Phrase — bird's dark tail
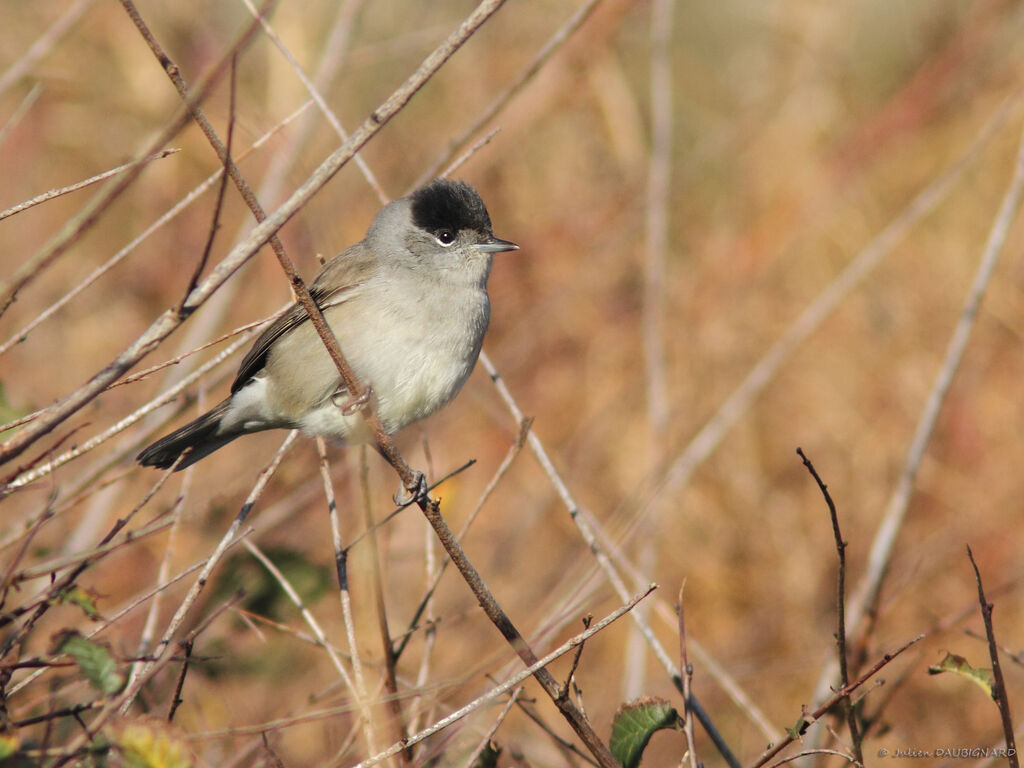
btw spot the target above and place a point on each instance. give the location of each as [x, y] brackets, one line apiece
[195, 440]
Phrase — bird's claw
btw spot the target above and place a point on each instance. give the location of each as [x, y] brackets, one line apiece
[406, 495]
[351, 405]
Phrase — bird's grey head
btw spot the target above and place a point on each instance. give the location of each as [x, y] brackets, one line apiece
[444, 225]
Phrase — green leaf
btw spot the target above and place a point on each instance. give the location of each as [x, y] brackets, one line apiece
[95, 661]
[958, 665]
[488, 757]
[634, 724]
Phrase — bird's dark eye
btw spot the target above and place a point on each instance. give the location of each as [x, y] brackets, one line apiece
[445, 237]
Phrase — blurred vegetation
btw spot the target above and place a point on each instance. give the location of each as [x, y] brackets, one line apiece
[800, 130]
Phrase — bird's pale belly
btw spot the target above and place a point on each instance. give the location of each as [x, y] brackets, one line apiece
[428, 377]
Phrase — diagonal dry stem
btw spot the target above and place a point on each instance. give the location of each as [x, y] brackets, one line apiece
[341, 567]
[58, 192]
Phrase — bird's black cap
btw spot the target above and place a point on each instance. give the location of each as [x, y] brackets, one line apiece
[446, 204]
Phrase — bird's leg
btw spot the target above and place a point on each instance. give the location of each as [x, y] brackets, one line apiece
[350, 405]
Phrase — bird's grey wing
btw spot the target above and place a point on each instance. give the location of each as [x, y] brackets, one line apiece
[338, 281]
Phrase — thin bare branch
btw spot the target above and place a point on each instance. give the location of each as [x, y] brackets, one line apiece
[387, 647]
[464, 157]
[132, 418]
[130, 248]
[435, 576]
[311, 622]
[58, 192]
[844, 674]
[244, 250]
[586, 529]
[998, 683]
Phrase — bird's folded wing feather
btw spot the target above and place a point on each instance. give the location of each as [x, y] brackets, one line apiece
[336, 283]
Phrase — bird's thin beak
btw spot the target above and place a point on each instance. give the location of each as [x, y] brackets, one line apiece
[496, 245]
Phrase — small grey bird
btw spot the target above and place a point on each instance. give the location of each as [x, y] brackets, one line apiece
[409, 308]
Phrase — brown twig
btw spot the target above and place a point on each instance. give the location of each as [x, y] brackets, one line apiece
[588, 532]
[245, 249]
[218, 205]
[77, 564]
[569, 681]
[562, 744]
[346, 13]
[293, 595]
[812, 753]
[401, 508]
[229, 537]
[255, 325]
[998, 684]
[844, 673]
[93, 442]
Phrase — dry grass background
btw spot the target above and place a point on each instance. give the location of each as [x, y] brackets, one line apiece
[799, 132]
